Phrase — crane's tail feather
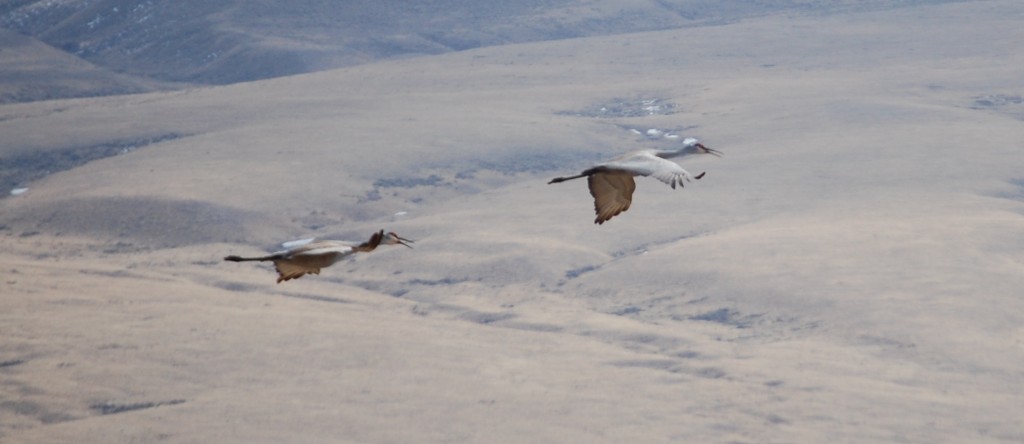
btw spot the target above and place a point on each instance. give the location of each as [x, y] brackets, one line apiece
[234, 258]
[563, 179]
[586, 173]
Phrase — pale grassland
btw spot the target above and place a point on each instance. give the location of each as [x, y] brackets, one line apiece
[850, 271]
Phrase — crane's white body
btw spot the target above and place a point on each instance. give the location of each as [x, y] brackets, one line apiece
[611, 183]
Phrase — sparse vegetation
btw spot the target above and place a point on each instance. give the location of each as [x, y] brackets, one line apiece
[112, 408]
[11, 362]
[149, 222]
[1011, 104]
[409, 182]
[997, 100]
[727, 316]
[576, 272]
[20, 169]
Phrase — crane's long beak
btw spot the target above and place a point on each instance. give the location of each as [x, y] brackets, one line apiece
[403, 241]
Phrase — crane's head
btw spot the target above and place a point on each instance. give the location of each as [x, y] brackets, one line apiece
[393, 238]
[693, 146]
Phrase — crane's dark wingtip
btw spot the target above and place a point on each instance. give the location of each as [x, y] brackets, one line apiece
[702, 173]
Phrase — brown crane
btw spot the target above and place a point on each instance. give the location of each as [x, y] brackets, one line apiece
[309, 258]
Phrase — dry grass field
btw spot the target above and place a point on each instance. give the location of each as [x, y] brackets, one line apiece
[850, 271]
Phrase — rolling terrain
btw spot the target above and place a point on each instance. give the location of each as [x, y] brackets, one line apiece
[176, 44]
[31, 70]
[849, 271]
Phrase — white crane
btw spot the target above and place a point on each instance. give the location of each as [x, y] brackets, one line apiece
[297, 261]
[611, 183]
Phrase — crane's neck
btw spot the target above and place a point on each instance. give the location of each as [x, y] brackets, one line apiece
[684, 151]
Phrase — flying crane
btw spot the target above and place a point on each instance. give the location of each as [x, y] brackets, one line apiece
[309, 258]
[611, 183]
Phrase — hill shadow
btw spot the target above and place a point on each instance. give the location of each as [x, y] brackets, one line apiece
[157, 222]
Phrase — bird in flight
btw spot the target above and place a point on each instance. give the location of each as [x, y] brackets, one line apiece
[309, 258]
[611, 183]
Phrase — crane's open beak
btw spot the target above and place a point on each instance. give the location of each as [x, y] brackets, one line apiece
[403, 241]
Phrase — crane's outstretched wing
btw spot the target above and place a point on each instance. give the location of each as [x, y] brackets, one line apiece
[287, 270]
[646, 163]
[310, 258]
[612, 191]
